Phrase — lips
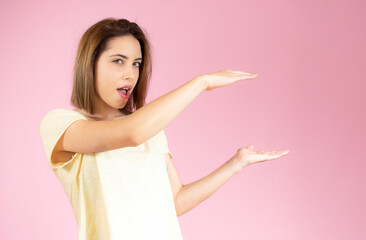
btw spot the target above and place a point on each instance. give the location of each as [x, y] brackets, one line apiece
[126, 96]
[126, 89]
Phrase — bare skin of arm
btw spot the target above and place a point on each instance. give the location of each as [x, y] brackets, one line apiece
[186, 197]
[97, 136]
[85, 136]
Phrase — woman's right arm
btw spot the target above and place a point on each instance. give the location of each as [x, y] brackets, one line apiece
[157, 114]
[97, 136]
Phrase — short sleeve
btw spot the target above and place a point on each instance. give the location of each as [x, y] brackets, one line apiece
[164, 143]
[53, 126]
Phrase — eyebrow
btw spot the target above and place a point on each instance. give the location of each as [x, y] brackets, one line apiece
[123, 56]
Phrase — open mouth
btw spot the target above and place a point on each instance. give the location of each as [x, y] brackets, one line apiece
[123, 90]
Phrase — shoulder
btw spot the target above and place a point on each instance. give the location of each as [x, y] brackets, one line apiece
[56, 121]
[64, 112]
[60, 115]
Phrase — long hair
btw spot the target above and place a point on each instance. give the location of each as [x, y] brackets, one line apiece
[92, 44]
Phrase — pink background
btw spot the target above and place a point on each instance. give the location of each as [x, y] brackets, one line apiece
[310, 56]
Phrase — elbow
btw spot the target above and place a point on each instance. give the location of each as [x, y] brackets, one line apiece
[134, 142]
[177, 212]
[139, 135]
[178, 203]
[135, 138]
[177, 209]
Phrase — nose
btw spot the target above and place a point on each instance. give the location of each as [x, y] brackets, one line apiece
[129, 74]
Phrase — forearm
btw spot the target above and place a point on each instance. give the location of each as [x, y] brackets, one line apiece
[156, 115]
[192, 194]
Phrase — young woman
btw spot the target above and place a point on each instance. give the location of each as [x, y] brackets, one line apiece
[110, 152]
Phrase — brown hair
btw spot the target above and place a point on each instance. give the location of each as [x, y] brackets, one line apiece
[92, 44]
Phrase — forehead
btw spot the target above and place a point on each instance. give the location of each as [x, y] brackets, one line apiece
[127, 45]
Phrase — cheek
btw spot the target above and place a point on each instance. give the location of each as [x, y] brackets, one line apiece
[103, 82]
[137, 75]
[103, 88]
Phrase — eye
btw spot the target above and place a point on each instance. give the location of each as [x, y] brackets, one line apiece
[116, 61]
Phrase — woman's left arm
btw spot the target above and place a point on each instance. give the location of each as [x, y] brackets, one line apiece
[188, 196]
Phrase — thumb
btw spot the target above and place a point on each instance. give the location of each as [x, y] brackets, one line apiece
[250, 147]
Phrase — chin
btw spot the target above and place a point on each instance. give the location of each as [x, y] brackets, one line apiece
[122, 106]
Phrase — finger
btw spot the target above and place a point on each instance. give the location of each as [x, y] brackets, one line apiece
[272, 157]
[250, 76]
[244, 73]
[243, 76]
[264, 156]
[278, 152]
[267, 158]
[268, 155]
[275, 153]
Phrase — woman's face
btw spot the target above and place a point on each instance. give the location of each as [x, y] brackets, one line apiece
[116, 67]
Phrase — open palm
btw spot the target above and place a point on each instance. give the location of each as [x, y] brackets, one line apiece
[247, 155]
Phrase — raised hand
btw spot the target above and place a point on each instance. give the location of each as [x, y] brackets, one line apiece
[224, 78]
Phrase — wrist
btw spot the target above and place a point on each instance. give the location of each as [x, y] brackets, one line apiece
[235, 164]
[201, 81]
